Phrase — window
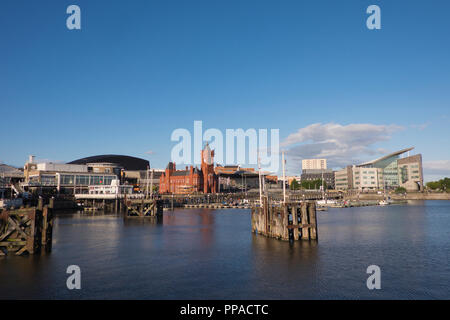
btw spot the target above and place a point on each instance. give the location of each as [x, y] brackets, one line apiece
[108, 180]
[96, 180]
[67, 179]
[48, 180]
[82, 180]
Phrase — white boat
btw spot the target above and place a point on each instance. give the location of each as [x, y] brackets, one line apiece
[326, 202]
[383, 203]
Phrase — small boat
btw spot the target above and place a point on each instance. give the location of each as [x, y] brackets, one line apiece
[326, 203]
[383, 203]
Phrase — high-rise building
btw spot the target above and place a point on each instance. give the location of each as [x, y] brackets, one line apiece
[314, 164]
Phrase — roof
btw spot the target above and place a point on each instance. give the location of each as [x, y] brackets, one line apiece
[9, 171]
[127, 162]
[397, 153]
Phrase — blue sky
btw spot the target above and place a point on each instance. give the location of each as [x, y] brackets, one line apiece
[137, 70]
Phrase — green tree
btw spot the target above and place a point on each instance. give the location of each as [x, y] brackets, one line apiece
[400, 190]
[443, 185]
[313, 184]
[294, 185]
[433, 185]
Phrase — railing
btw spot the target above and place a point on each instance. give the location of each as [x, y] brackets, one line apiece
[109, 196]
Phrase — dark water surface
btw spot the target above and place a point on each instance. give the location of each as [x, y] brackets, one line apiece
[211, 254]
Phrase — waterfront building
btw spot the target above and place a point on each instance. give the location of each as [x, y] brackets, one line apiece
[314, 164]
[143, 179]
[79, 174]
[9, 174]
[131, 170]
[410, 172]
[318, 174]
[10, 178]
[341, 179]
[367, 178]
[236, 178]
[191, 180]
[125, 162]
[388, 172]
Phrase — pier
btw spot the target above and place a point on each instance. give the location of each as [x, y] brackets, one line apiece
[288, 221]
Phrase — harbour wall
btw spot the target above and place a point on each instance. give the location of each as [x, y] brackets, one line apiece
[408, 196]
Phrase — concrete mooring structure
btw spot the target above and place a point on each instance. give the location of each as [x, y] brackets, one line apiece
[288, 221]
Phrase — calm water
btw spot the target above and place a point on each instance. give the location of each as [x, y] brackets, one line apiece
[211, 254]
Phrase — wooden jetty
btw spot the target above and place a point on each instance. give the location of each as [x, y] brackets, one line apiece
[26, 230]
[288, 221]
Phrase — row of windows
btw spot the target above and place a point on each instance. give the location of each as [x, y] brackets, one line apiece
[86, 180]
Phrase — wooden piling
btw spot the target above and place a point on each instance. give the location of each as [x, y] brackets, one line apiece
[294, 221]
[305, 222]
[287, 221]
[26, 230]
[143, 208]
[312, 215]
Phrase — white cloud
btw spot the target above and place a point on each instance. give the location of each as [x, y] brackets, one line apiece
[340, 144]
[437, 167]
[150, 152]
[436, 170]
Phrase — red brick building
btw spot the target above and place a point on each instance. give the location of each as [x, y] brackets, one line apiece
[192, 179]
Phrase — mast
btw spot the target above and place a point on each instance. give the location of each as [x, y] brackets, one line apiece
[151, 184]
[323, 189]
[146, 191]
[259, 176]
[284, 177]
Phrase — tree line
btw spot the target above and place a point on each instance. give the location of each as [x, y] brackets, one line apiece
[442, 185]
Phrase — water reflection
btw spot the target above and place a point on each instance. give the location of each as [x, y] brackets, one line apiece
[138, 221]
[211, 254]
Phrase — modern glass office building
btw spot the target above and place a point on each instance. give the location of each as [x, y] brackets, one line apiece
[390, 171]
